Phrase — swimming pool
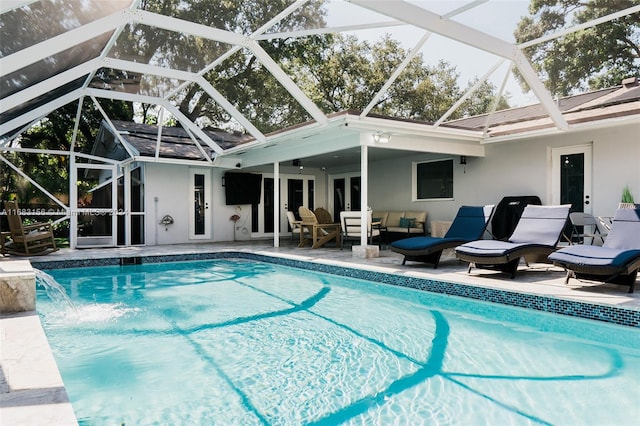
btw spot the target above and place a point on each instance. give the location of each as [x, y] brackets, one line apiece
[235, 341]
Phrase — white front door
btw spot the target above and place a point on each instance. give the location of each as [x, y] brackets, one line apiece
[199, 211]
[571, 177]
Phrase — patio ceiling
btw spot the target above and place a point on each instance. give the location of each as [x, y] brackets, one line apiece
[54, 51]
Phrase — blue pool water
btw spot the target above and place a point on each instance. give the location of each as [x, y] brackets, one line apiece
[238, 342]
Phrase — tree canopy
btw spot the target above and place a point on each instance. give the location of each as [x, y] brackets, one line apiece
[584, 60]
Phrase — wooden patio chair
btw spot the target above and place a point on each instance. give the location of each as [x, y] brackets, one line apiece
[320, 233]
[27, 240]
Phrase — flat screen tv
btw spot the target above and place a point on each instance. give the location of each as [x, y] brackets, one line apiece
[242, 188]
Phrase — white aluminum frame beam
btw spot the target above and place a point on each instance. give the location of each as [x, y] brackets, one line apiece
[228, 106]
[9, 5]
[130, 151]
[33, 182]
[289, 85]
[396, 73]
[422, 18]
[69, 39]
[582, 26]
[109, 94]
[45, 86]
[40, 112]
[468, 94]
[330, 30]
[64, 41]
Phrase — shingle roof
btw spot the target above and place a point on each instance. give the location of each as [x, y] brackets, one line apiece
[600, 104]
[175, 142]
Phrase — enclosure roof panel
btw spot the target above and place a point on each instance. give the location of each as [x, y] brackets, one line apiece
[53, 52]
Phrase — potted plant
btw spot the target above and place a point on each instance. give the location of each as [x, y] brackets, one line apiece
[626, 202]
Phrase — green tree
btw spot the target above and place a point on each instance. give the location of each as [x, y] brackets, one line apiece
[351, 72]
[592, 58]
[55, 133]
[241, 78]
[336, 72]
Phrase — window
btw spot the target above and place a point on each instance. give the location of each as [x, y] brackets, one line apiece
[433, 180]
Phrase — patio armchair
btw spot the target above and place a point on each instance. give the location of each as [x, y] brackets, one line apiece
[323, 215]
[617, 261]
[294, 224]
[468, 225]
[27, 240]
[535, 236]
[350, 227]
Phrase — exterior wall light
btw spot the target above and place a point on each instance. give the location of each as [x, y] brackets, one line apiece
[381, 137]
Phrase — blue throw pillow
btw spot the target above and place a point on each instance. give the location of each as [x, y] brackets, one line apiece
[407, 222]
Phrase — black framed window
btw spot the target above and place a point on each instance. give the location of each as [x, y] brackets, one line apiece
[433, 180]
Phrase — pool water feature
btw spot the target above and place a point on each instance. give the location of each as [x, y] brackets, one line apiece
[243, 342]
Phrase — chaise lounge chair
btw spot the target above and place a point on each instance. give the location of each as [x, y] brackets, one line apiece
[535, 237]
[27, 240]
[468, 225]
[616, 261]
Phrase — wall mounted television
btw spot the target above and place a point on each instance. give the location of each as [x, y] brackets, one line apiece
[242, 188]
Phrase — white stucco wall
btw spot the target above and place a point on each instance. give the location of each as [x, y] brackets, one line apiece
[510, 168]
[168, 192]
[517, 168]
[166, 189]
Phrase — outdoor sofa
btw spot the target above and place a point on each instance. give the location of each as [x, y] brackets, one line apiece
[400, 224]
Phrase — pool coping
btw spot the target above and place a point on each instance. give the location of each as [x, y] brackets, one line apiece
[31, 385]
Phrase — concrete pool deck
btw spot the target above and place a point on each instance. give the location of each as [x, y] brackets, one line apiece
[31, 388]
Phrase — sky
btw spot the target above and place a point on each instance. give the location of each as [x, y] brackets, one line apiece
[496, 17]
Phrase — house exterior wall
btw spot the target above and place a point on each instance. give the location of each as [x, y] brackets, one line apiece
[168, 192]
[516, 168]
[511, 168]
[166, 188]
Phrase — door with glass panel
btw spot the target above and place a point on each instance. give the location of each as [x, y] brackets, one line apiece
[571, 178]
[346, 193]
[199, 211]
[295, 191]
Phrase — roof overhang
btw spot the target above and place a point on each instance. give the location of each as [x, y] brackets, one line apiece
[350, 130]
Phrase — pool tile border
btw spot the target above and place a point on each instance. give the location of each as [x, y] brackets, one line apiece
[572, 308]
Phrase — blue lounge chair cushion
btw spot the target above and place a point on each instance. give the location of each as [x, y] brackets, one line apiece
[470, 222]
[594, 256]
[468, 225]
[422, 243]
